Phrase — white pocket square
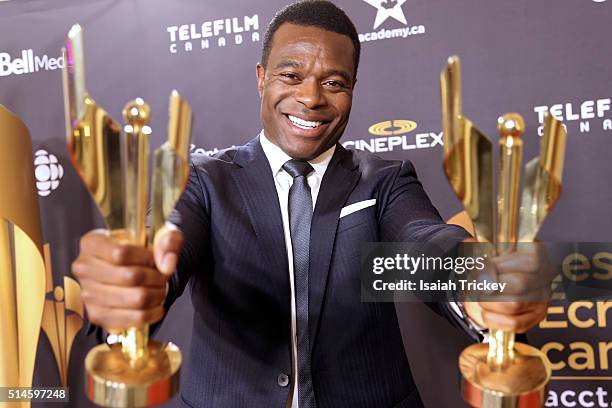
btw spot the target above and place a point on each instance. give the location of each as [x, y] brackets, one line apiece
[349, 209]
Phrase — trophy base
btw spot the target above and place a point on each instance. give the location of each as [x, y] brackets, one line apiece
[113, 382]
[521, 384]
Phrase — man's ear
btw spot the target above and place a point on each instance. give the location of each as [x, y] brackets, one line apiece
[261, 75]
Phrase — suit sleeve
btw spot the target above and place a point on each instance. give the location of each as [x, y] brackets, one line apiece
[192, 216]
[409, 216]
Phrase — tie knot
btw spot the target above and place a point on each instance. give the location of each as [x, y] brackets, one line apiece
[297, 168]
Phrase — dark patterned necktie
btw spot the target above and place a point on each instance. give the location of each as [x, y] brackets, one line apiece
[300, 218]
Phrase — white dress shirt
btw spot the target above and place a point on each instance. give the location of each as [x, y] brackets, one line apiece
[283, 181]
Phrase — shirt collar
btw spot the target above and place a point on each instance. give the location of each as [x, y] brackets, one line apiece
[277, 157]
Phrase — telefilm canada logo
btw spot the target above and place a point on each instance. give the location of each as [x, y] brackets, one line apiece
[395, 134]
[579, 116]
[27, 62]
[219, 33]
[390, 9]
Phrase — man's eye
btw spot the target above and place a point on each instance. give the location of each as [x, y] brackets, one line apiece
[333, 84]
[289, 76]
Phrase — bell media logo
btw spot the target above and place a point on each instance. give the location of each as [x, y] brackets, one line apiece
[386, 9]
[231, 31]
[395, 134]
[48, 172]
[28, 63]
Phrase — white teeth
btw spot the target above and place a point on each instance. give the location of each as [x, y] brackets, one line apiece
[303, 124]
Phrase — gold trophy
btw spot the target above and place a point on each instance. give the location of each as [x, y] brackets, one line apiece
[22, 266]
[502, 374]
[113, 164]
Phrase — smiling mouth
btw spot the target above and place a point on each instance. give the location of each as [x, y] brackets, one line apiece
[304, 124]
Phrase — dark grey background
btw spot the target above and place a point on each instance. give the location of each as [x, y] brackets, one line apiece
[516, 55]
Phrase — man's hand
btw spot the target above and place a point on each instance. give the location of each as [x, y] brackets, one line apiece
[125, 285]
[524, 302]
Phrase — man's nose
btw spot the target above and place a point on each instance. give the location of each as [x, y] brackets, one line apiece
[310, 94]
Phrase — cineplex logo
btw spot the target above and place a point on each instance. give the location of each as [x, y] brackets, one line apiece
[386, 9]
[394, 135]
[214, 33]
[28, 63]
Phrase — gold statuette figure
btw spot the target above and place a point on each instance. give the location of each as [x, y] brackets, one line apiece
[22, 267]
[502, 374]
[113, 163]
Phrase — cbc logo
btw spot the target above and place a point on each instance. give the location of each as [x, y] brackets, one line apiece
[48, 172]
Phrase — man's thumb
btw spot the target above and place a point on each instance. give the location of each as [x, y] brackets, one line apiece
[167, 246]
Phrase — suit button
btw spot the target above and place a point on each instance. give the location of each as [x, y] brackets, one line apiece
[283, 380]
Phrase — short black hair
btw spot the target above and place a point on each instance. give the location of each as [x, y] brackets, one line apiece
[313, 13]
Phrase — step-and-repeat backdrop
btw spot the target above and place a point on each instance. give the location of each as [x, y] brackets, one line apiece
[524, 56]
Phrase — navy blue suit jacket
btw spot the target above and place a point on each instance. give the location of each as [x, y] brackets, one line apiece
[235, 262]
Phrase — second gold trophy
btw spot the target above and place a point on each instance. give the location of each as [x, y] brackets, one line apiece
[504, 373]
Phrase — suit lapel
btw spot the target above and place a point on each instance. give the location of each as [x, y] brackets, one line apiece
[255, 182]
[339, 180]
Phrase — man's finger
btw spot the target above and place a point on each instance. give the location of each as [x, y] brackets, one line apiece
[114, 319]
[529, 258]
[521, 284]
[518, 324]
[128, 276]
[531, 297]
[518, 262]
[138, 298]
[100, 245]
[509, 308]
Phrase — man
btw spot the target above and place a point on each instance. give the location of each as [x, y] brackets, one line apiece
[268, 238]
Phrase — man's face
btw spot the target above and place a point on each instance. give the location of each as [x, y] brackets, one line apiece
[306, 90]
